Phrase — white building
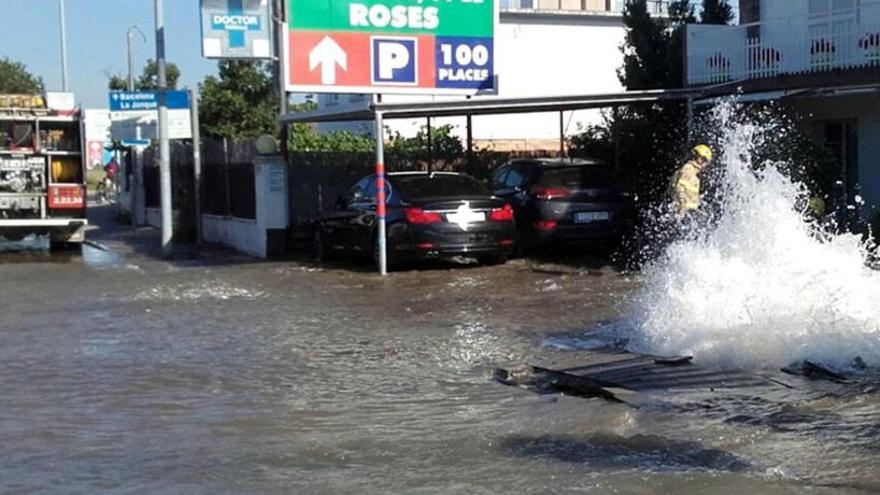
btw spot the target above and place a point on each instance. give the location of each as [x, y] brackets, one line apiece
[821, 58]
[542, 48]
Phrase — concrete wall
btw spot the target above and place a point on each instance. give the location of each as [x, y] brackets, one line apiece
[153, 217]
[239, 234]
[260, 237]
[535, 55]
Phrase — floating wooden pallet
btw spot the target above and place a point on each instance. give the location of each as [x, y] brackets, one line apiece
[626, 377]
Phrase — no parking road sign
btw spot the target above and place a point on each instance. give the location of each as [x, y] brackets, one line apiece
[391, 46]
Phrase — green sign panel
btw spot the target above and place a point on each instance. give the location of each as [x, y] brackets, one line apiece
[391, 46]
[440, 18]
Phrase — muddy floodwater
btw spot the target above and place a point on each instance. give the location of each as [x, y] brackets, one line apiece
[120, 373]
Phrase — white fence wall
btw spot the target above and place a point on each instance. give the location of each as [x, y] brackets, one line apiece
[787, 45]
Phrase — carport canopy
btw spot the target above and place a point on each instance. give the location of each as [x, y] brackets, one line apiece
[378, 111]
[492, 106]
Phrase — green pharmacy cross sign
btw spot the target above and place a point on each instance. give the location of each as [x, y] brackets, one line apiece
[391, 46]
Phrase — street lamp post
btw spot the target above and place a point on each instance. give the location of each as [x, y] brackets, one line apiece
[131, 30]
[63, 46]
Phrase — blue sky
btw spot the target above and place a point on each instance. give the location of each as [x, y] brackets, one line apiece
[96, 41]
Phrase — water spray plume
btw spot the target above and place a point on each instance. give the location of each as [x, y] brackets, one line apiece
[761, 287]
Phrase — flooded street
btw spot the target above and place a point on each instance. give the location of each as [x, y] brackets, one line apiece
[124, 374]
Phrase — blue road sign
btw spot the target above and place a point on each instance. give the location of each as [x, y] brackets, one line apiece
[141, 101]
[394, 60]
[133, 143]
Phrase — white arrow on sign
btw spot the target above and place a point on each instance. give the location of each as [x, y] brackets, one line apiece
[328, 54]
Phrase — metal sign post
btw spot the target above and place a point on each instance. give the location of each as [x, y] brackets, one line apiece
[197, 162]
[164, 148]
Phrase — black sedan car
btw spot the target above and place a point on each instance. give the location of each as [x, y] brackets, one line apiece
[429, 215]
[564, 202]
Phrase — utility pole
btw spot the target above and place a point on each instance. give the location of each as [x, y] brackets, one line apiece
[63, 46]
[197, 161]
[280, 12]
[131, 30]
[164, 148]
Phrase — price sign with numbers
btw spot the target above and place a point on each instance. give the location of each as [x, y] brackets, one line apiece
[391, 46]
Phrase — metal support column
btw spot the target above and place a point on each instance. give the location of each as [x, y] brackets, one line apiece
[164, 147]
[615, 137]
[690, 122]
[430, 147]
[561, 134]
[380, 196]
[470, 141]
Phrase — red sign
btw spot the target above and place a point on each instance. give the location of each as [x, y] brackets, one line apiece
[319, 60]
[67, 197]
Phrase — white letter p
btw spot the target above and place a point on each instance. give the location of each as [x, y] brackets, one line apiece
[392, 56]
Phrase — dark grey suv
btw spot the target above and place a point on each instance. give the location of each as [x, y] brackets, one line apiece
[564, 202]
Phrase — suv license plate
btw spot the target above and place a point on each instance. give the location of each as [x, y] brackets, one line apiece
[591, 216]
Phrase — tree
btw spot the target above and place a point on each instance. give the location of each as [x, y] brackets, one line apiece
[444, 145]
[716, 12]
[117, 83]
[644, 49]
[148, 80]
[651, 137]
[240, 102]
[15, 78]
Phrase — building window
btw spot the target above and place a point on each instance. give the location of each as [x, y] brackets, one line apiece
[517, 4]
[827, 7]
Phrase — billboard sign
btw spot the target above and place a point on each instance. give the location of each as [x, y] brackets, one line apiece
[135, 115]
[391, 46]
[236, 29]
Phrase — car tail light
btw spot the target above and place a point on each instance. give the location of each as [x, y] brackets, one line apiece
[425, 245]
[507, 242]
[67, 197]
[419, 216]
[504, 214]
[551, 192]
[545, 225]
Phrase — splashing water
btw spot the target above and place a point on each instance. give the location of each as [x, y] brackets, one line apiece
[760, 289]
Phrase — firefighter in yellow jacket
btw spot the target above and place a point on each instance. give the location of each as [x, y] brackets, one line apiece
[685, 184]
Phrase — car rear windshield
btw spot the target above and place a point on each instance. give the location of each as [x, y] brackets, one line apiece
[579, 177]
[435, 186]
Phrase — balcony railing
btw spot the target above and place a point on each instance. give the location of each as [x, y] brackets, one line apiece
[796, 45]
[658, 7]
